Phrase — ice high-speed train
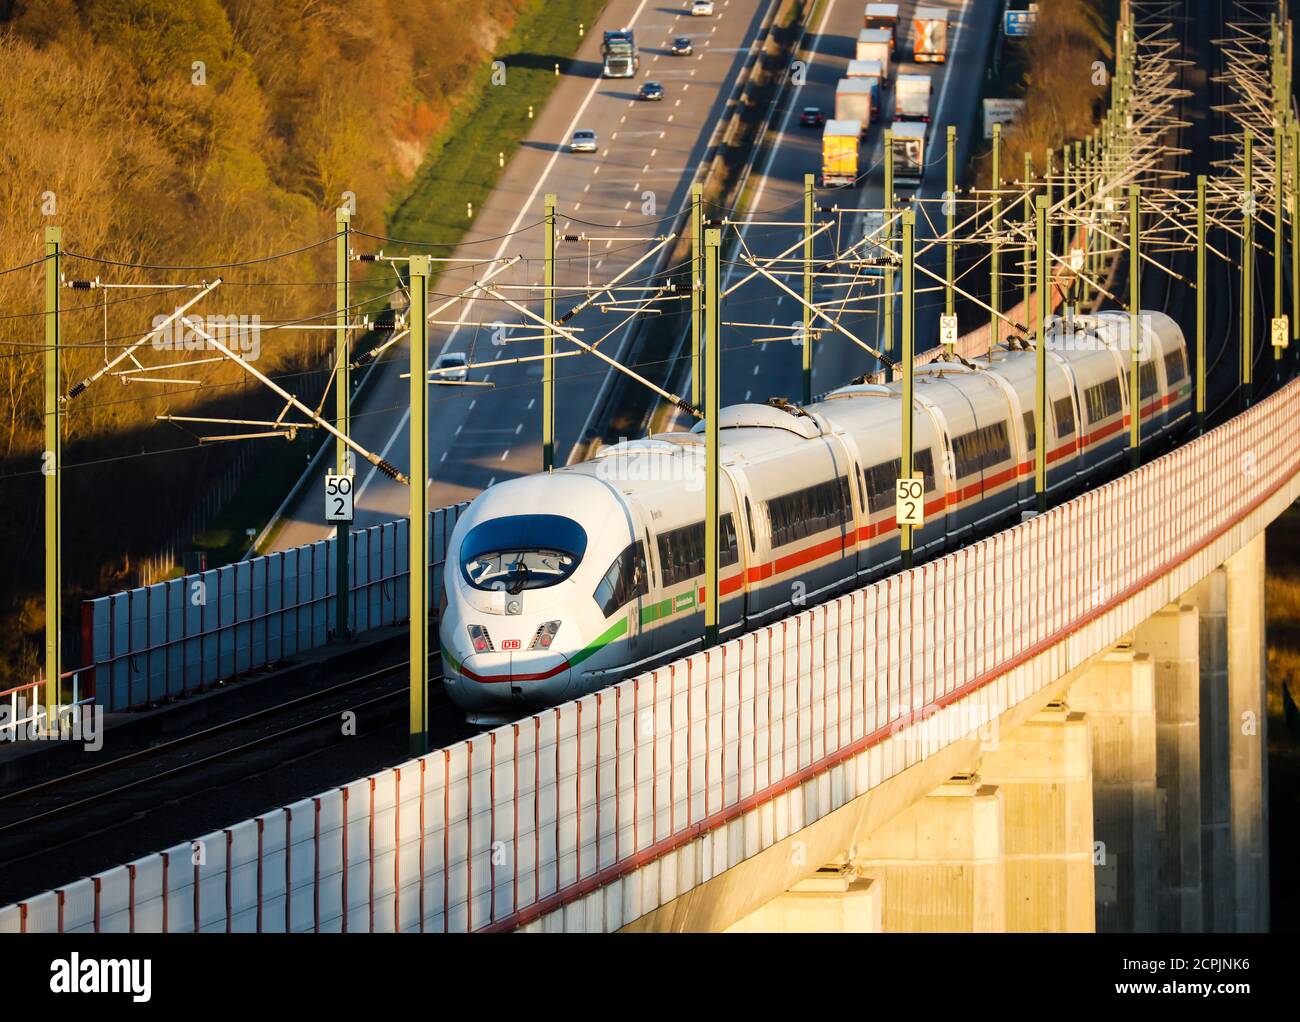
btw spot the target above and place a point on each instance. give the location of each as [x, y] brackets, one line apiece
[561, 584]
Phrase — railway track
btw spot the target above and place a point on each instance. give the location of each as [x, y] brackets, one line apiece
[97, 816]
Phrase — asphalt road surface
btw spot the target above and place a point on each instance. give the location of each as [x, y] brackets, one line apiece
[481, 435]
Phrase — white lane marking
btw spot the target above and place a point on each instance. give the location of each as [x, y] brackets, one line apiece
[947, 75]
[756, 370]
[490, 482]
[443, 458]
[472, 404]
[505, 454]
[519, 429]
[747, 393]
[531, 401]
[577, 206]
[586, 188]
[458, 429]
[525, 209]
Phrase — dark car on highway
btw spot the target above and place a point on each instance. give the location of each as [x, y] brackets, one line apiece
[812, 117]
[682, 47]
[651, 90]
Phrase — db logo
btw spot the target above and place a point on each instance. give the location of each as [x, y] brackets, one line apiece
[510, 644]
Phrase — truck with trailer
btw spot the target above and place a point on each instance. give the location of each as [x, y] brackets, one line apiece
[871, 71]
[882, 16]
[840, 141]
[853, 101]
[912, 98]
[908, 152]
[873, 44]
[930, 35]
[618, 51]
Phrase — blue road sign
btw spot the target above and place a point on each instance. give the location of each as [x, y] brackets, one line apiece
[1019, 23]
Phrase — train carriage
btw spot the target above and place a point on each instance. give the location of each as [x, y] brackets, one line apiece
[560, 584]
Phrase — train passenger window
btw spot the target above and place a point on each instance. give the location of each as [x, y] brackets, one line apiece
[681, 551]
[625, 580]
[881, 479]
[806, 512]
[1103, 400]
[1147, 385]
[749, 520]
[981, 448]
[1175, 366]
[1064, 417]
[968, 453]
[997, 444]
[1029, 431]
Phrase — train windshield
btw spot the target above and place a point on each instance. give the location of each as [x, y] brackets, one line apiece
[522, 552]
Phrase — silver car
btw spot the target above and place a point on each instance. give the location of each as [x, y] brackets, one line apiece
[583, 141]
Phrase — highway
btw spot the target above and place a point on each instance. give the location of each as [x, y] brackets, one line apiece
[480, 435]
[756, 371]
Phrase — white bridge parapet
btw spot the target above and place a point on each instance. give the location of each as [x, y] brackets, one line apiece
[593, 814]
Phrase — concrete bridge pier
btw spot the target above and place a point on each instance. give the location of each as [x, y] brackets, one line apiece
[1171, 639]
[1044, 771]
[1117, 693]
[941, 861]
[835, 899]
[1247, 735]
[1210, 597]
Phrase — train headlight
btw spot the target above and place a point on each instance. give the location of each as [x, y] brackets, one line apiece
[545, 635]
[479, 639]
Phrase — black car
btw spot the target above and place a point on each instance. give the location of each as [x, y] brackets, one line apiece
[812, 117]
[682, 47]
[651, 90]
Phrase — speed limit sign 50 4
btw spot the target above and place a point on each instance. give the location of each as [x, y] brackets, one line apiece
[909, 502]
[338, 498]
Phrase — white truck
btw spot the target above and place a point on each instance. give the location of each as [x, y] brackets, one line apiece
[853, 101]
[872, 72]
[882, 16]
[909, 152]
[873, 44]
[930, 35]
[912, 98]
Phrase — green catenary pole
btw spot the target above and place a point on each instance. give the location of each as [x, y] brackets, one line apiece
[1201, 285]
[712, 448]
[52, 467]
[417, 534]
[888, 311]
[1027, 253]
[548, 340]
[806, 340]
[950, 209]
[1040, 360]
[1134, 327]
[995, 249]
[1246, 369]
[1293, 193]
[1279, 165]
[908, 368]
[342, 418]
[697, 290]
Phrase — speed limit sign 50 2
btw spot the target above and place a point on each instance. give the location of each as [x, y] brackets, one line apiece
[338, 498]
[909, 502]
